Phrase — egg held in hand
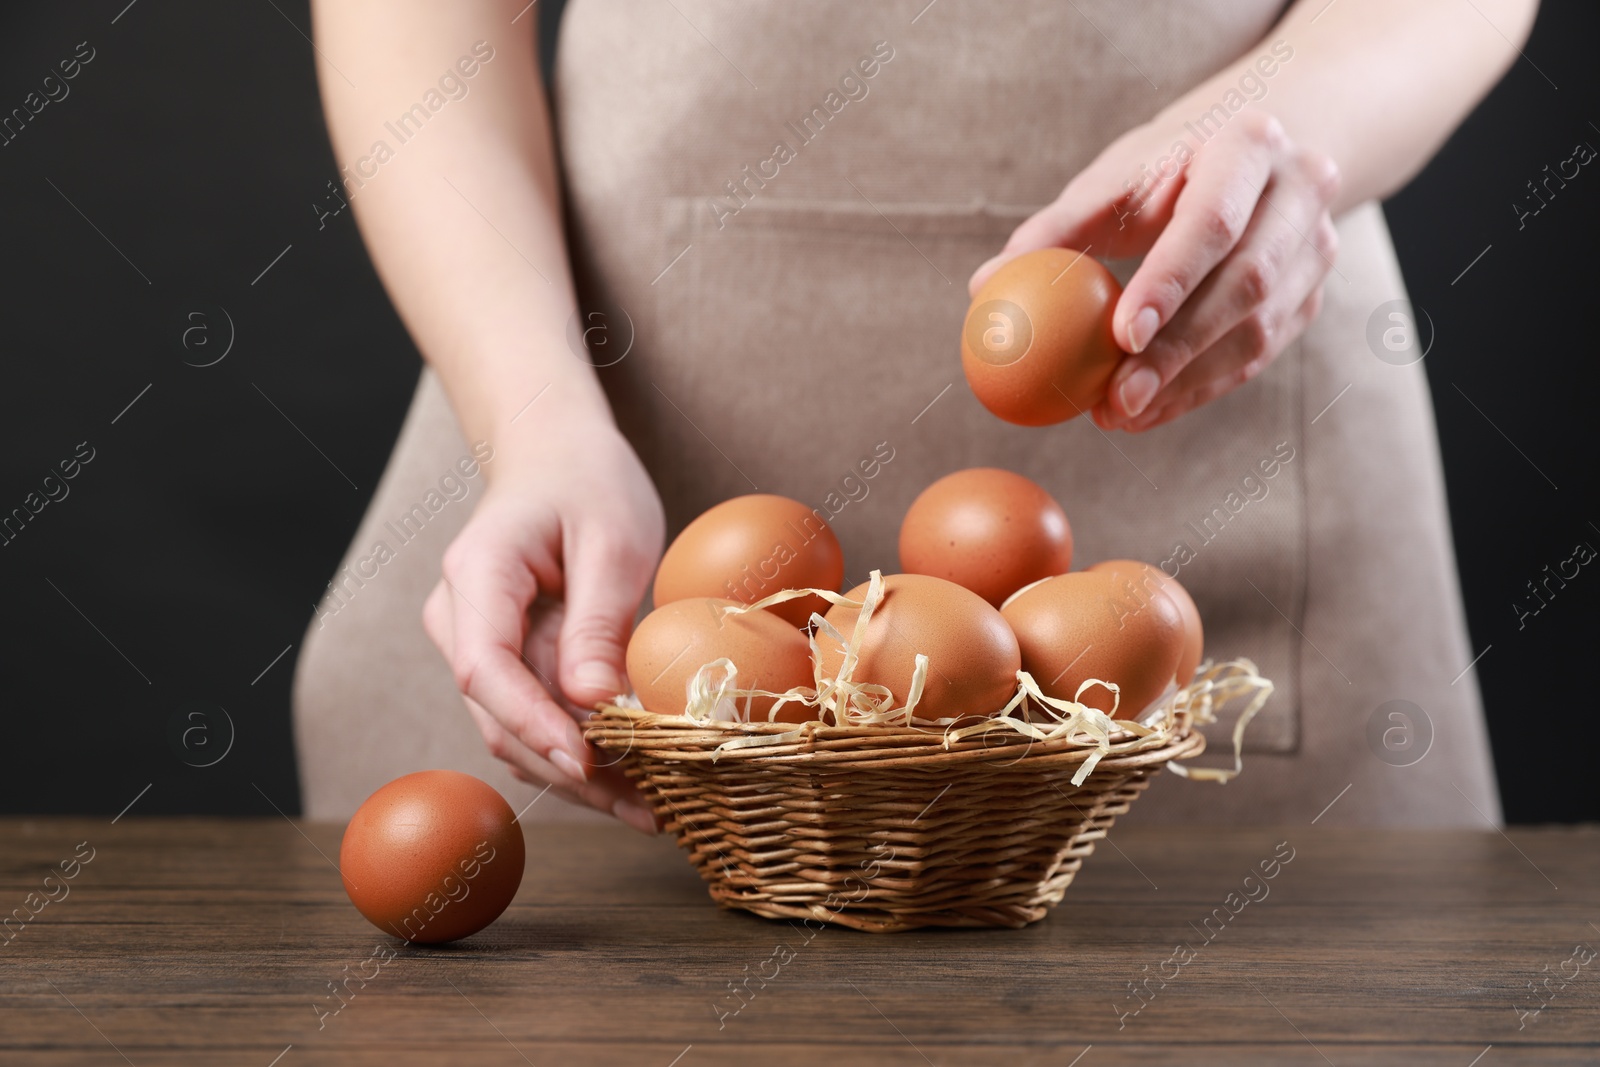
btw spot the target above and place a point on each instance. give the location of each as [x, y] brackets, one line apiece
[1143, 580]
[1037, 346]
[433, 856]
[1079, 626]
[747, 549]
[987, 530]
[677, 639]
[972, 654]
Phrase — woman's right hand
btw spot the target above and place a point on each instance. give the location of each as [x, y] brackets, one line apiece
[538, 598]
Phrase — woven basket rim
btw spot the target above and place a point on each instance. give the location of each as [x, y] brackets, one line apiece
[677, 738]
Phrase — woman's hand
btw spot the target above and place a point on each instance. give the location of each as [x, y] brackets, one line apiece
[538, 600]
[541, 587]
[1237, 238]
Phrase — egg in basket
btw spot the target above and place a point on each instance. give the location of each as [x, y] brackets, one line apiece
[941, 747]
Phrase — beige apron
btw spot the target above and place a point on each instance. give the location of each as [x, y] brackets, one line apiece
[785, 201]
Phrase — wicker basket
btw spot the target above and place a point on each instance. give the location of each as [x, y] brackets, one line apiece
[882, 828]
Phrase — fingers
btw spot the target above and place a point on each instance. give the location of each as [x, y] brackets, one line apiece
[607, 572]
[541, 648]
[1115, 207]
[507, 645]
[1238, 357]
[608, 790]
[436, 619]
[1218, 200]
[1275, 260]
[1293, 300]
[490, 589]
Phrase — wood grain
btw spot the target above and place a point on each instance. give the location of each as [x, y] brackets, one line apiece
[210, 942]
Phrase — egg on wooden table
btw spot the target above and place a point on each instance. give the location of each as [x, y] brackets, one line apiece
[1144, 580]
[1083, 625]
[750, 547]
[675, 640]
[433, 856]
[990, 531]
[972, 654]
[1037, 346]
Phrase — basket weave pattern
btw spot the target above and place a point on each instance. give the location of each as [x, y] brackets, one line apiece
[881, 828]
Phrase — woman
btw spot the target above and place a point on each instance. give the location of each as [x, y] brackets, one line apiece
[771, 212]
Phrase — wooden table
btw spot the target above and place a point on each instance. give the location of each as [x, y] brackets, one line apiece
[216, 942]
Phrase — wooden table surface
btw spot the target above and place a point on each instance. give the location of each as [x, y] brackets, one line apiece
[218, 942]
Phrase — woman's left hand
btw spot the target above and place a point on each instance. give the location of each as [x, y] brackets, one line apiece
[1237, 239]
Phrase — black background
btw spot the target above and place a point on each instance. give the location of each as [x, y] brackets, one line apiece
[191, 549]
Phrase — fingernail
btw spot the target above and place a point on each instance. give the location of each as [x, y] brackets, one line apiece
[985, 265]
[1137, 390]
[597, 675]
[567, 765]
[1142, 328]
[635, 815]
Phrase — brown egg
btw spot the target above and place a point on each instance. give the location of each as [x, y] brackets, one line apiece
[987, 530]
[972, 654]
[432, 856]
[750, 547]
[676, 640]
[1084, 625]
[1037, 345]
[1145, 580]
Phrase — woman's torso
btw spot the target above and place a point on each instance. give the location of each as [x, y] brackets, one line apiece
[775, 207]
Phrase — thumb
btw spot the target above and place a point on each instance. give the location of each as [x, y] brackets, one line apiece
[605, 581]
[1065, 223]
